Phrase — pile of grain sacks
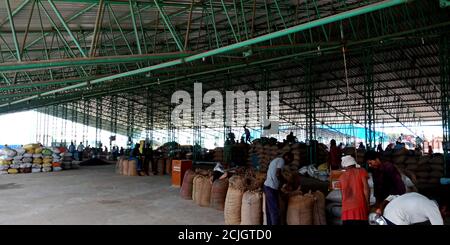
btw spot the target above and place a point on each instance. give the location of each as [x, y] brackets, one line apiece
[31, 158]
[422, 170]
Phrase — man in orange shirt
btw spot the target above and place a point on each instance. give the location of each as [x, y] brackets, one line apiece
[355, 193]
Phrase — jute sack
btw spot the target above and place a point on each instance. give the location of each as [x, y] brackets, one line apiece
[187, 185]
[300, 210]
[169, 166]
[205, 191]
[196, 189]
[435, 167]
[264, 209]
[132, 165]
[218, 194]
[399, 159]
[251, 209]
[125, 167]
[436, 174]
[437, 159]
[119, 166]
[410, 160]
[422, 175]
[232, 208]
[423, 160]
[161, 166]
[319, 209]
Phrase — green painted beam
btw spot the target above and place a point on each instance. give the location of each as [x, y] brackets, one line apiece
[13, 29]
[63, 22]
[172, 30]
[45, 64]
[247, 43]
[16, 11]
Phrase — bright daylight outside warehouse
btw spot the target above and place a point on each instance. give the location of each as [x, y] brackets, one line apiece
[225, 112]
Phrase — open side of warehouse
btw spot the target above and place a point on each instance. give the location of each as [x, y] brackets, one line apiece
[258, 112]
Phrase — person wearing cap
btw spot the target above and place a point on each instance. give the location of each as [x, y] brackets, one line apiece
[412, 209]
[355, 193]
[387, 180]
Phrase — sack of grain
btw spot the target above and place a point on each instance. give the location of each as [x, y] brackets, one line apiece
[423, 168]
[423, 160]
[119, 166]
[264, 212]
[437, 159]
[218, 194]
[399, 159]
[434, 181]
[37, 155]
[168, 166]
[412, 167]
[132, 168]
[319, 209]
[411, 160]
[47, 160]
[13, 171]
[196, 189]
[436, 174]
[435, 167]
[300, 209]
[125, 167]
[335, 196]
[36, 170]
[237, 182]
[205, 192]
[57, 169]
[161, 166]
[251, 209]
[20, 151]
[35, 160]
[422, 175]
[186, 187]
[233, 204]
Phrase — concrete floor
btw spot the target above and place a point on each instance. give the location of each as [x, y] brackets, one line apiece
[96, 195]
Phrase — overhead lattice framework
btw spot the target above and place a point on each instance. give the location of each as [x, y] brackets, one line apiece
[52, 50]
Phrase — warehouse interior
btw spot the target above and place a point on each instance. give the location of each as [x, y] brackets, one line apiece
[344, 69]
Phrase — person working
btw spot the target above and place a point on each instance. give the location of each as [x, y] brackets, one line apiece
[412, 209]
[334, 156]
[355, 193]
[290, 138]
[272, 186]
[361, 146]
[247, 134]
[430, 150]
[386, 178]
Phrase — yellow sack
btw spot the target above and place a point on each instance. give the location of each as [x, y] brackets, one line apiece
[30, 146]
[37, 160]
[13, 171]
[47, 165]
[5, 162]
[38, 150]
[322, 167]
[47, 160]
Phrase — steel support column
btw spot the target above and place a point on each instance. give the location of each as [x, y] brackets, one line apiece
[444, 51]
[310, 114]
[369, 100]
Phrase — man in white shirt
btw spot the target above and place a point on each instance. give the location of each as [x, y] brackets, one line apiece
[80, 150]
[412, 208]
[272, 187]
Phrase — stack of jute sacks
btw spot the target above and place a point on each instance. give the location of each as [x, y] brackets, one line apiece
[423, 170]
[126, 167]
[218, 154]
